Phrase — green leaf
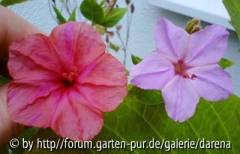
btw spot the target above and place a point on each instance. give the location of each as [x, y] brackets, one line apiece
[136, 59]
[4, 150]
[61, 19]
[92, 11]
[224, 63]
[73, 16]
[11, 2]
[135, 121]
[233, 7]
[4, 80]
[27, 135]
[100, 29]
[212, 121]
[114, 17]
[127, 72]
[148, 97]
[114, 47]
[102, 3]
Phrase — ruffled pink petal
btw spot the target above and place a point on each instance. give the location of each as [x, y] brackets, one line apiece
[103, 98]
[212, 82]
[153, 72]
[207, 46]
[31, 104]
[40, 50]
[171, 41]
[75, 120]
[77, 43]
[106, 70]
[23, 68]
[180, 99]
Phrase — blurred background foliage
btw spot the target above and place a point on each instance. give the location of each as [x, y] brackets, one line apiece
[104, 15]
[142, 115]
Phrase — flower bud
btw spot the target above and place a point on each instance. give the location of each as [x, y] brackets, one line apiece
[119, 27]
[195, 29]
[132, 8]
[190, 26]
[107, 38]
[110, 33]
[128, 1]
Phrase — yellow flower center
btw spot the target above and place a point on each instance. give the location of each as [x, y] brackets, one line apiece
[69, 78]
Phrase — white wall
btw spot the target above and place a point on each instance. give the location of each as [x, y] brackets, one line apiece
[141, 38]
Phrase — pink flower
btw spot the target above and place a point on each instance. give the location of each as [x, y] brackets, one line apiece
[64, 81]
[185, 67]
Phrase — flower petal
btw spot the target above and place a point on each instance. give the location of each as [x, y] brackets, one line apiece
[152, 63]
[103, 98]
[153, 72]
[171, 41]
[180, 99]
[153, 80]
[207, 46]
[23, 68]
[106, 70]
[40, 50]
[32, 105]
[75, 120]
[212, 82]
[77, 43]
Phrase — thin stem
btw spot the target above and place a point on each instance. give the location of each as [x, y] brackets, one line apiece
[78, 10]
[123, 45]
[107, 42]
[67, 7]
[49, 6]
[129, 22]
[70, 6]
[111, 8]
[125, 57]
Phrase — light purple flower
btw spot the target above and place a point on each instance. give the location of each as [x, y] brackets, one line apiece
[185, 67]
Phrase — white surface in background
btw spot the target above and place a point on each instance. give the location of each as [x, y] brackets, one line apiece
[212, 11]
[141, 40]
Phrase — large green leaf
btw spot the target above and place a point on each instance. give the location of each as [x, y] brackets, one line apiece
[212, 121]
[27, 135]
[148, 97]
[135, 121]
[114, 17]
[92, 11]
[11, 2]
[233, 7]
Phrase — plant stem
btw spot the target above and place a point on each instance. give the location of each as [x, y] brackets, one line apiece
[124, 48]
[111, 8]
[49, 6]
